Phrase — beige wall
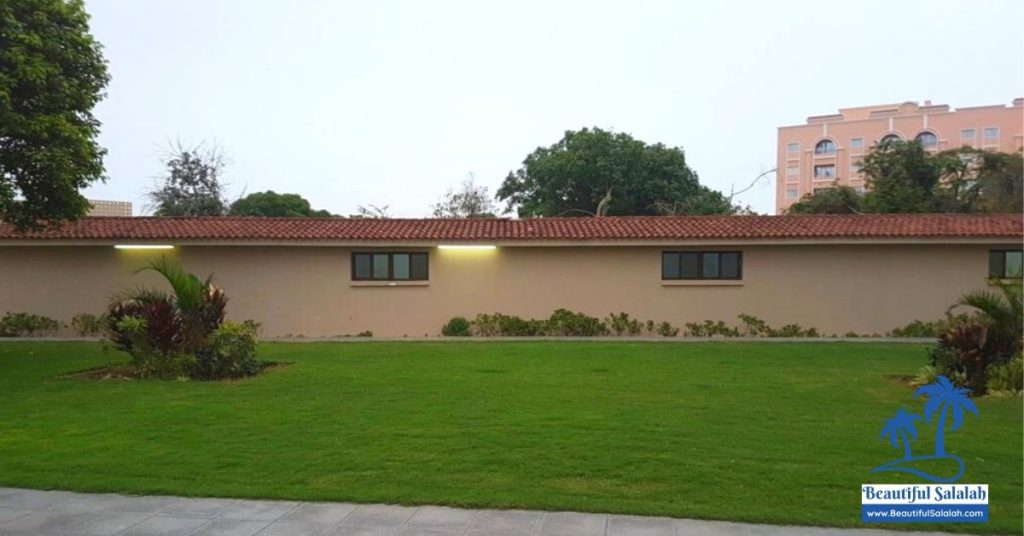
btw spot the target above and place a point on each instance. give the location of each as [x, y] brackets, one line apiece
[307, 290]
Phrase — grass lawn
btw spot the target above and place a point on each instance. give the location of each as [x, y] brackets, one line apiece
[759, 432]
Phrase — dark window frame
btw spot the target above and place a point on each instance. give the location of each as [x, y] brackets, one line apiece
[700, 265]
[391, 265]
[826, 147]
[1000, 264]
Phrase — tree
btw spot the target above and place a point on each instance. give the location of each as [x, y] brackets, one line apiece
[975, 180]
[1000, 177]
[52, 74]
[192, 184]
[597, 172]
[470, 201]
[901, 178]
[838, 200]
[272, 204]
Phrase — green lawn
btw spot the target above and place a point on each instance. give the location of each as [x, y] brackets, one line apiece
[760, 432]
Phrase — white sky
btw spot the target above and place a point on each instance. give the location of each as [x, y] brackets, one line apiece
[391, 102]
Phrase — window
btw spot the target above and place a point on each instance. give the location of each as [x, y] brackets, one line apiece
[967, 134]
[824, 172]
[825, 147]
[856, 167]
[793, 148]
[927, 140]
[859, 188]
[857, 143]
[991, 133]
[1005, 263]
[792, 172]
[889, 138]
[792, 193]
[701, 265]
[822, 189]
[384, 266]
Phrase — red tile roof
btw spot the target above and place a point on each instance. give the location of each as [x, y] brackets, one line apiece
[889, 226]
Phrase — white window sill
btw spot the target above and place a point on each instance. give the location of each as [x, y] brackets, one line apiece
[702, 282]
[389, 283]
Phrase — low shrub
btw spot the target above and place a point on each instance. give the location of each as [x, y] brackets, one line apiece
[757, 327]
[926, 376]
[456, 327]
[932, 329]
[711, 328]
[621, 324]
[754, 326]
[230, 352]
[27, 325]
[365, 333]
[794, 330]
[565, 323]
[1006, 379]
[150, 358]
[667, 330]
[561, 323]
[502, 325]
[89, 325]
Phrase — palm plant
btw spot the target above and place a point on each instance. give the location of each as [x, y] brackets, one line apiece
[200, 305]
[901, 428]
[950, 399]
[1003, 313]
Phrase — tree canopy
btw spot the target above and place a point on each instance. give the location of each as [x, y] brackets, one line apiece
[191, 184]
[52, 74]
[469, 201]
[839, 200]
[901, 177]
[597, 172]
[272, 204]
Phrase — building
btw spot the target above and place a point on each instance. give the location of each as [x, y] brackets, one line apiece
[109, 208]
[826, 151]
[329, 277]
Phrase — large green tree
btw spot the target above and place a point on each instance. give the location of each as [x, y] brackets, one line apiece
[597, 172]
[272, 204]
[52, 74]
[901, 177]
[975, 180]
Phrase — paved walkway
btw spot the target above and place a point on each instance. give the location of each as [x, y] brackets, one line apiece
[46, 513]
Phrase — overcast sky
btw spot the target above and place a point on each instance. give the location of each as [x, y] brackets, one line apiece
[389, 102]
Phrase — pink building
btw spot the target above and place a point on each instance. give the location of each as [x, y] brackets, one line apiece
[826, 151]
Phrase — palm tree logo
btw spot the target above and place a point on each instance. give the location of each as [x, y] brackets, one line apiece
[945, 400]
[901, 429]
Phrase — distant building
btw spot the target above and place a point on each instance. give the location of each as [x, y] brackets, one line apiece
[110, 208]
[826, 151]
